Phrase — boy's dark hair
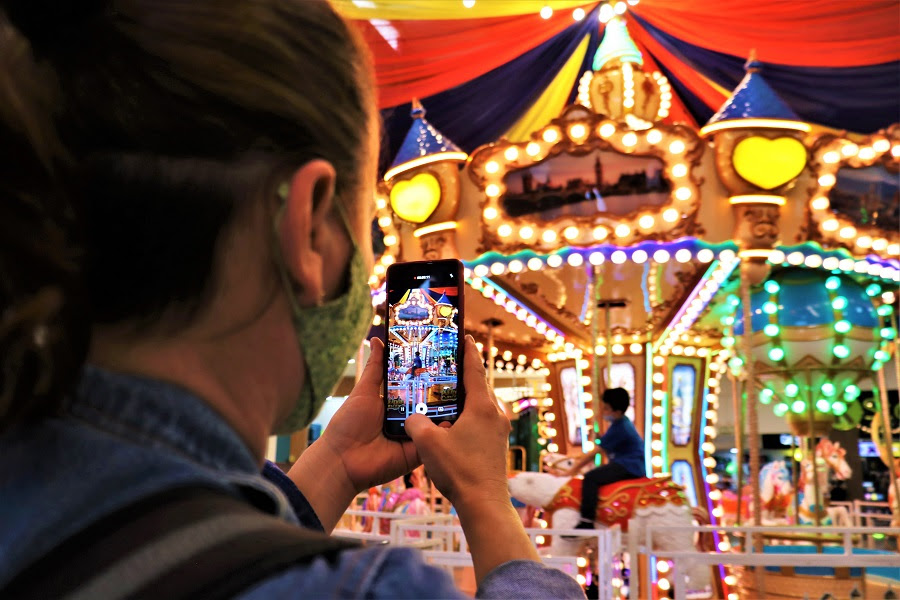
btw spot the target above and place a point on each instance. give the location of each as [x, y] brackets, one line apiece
[617, 399]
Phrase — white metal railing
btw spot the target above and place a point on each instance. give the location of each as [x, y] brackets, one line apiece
[682, 559]
[374, 534]
[446, 546]
[865, 513]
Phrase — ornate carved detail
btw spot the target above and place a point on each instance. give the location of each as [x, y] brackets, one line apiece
[756, 225]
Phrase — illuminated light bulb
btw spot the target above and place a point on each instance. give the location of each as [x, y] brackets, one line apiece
[838, 408]
[380, 203]
[578, 14]
[533, 149]
[577, 131]
[596, 258]
[676, 147]
[656, 461]
[570, 233]
[636, 348]
[830, 225]
[600, 350]
[839, 303]
[709, 462]
[664, 584]
[776, 354]
[670, 215]
[881, 356]
[842, 326]
[600, 233]
[646, 221]
[847, 232]
[384, 221]
[683, 255]
[549, 236]
[734, 596]
[618, 348]
[606, 130]
[657, 445]
[554, 260]
[895, 151]
[658, 378]
[821, 203]
[534, 264]
[620, 8]
[581, 562]
[623, 230]
[639, 257]
[658, 411]
[813, 261]
[727, 255]
[831, 157]
[629, 139]
[618, 257]
[881, 145]
[546, 12]
[772, 286]
[575, 259]
[683, 193]
[628, 103]
[658, 361]
[511, 153]
[888, 333]
[526, 233]
[771, 329]
[481, 270]
[492, 166]
[795, 258]
[780, 409]
[679, 170]
[718, 512]
[498, 268]
[492, 190]
[849, 149]
[515, 266]
[769, 307]
[893, 249]
[866, 153]
[827, 180]
[654, 136]
[550, 136]
[713, 479]
[841, 351]
[661, 256]
[606, 13]
[376, 320]
[504, 230]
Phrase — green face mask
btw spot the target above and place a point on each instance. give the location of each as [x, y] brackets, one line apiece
[329, 335]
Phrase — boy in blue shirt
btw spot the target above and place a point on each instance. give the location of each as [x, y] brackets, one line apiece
[623, 452]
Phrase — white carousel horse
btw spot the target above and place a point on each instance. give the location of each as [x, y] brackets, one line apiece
[658, 500]
[828, 455]
[776, 493]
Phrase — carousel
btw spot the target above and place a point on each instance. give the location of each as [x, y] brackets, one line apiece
[747, 262]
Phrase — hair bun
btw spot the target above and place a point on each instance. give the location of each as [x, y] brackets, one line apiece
[47, 21]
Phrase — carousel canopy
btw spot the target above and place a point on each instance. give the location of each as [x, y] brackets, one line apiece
[488, 69]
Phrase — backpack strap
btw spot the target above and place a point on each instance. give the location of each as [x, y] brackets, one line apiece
[184, 543]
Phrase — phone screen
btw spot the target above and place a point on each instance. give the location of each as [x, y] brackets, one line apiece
[423, 350]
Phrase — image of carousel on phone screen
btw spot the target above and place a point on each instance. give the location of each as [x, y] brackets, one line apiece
[423, 351]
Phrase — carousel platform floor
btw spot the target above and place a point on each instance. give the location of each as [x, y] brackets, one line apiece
[883, 573]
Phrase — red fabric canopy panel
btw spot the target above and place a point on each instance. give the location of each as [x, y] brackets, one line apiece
[812, 33]
[433, 56]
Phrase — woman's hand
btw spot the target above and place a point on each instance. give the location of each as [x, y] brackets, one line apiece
[468, 460]
[352, 453]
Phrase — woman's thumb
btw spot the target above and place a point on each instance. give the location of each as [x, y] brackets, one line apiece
[418, 426]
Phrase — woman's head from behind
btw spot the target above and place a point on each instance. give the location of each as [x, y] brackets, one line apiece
[179, 123]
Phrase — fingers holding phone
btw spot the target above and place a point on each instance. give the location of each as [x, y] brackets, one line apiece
[467, 461]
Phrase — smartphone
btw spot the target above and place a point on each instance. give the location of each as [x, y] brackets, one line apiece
[423, 352]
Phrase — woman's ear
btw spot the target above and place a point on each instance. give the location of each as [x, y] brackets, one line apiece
[307, 204]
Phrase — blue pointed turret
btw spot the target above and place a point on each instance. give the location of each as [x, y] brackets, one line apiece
[754, 99]
[616, 45]
[423, 144]
[443, 299]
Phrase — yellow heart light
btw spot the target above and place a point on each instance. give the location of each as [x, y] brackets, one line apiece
[769, 163]
[415, 199]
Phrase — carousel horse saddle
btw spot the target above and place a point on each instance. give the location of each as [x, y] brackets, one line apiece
[618, 501]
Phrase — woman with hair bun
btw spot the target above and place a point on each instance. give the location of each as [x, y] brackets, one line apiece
[185, 200]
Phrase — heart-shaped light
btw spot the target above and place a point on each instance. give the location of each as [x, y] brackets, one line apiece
[769, 163]
[415, 199]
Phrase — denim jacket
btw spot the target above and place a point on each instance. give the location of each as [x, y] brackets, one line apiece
[121, 438]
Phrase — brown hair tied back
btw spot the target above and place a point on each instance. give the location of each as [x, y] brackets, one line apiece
[175, 115]
[43, 325]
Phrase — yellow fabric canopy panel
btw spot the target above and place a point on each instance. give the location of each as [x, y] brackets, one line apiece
[390, 10]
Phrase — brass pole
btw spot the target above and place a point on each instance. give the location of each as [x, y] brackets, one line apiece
[819, 501]
[595, 339]
[736, 394]
[888, 434]
[752, 418]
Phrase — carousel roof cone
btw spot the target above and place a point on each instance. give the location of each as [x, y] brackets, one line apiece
[754, 104]
[617, 45]
[423, 144]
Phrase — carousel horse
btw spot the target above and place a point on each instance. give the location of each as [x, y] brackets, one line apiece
[776, 493]
[410, 501]
[828, 456]
[658, 500]
[881, 443]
